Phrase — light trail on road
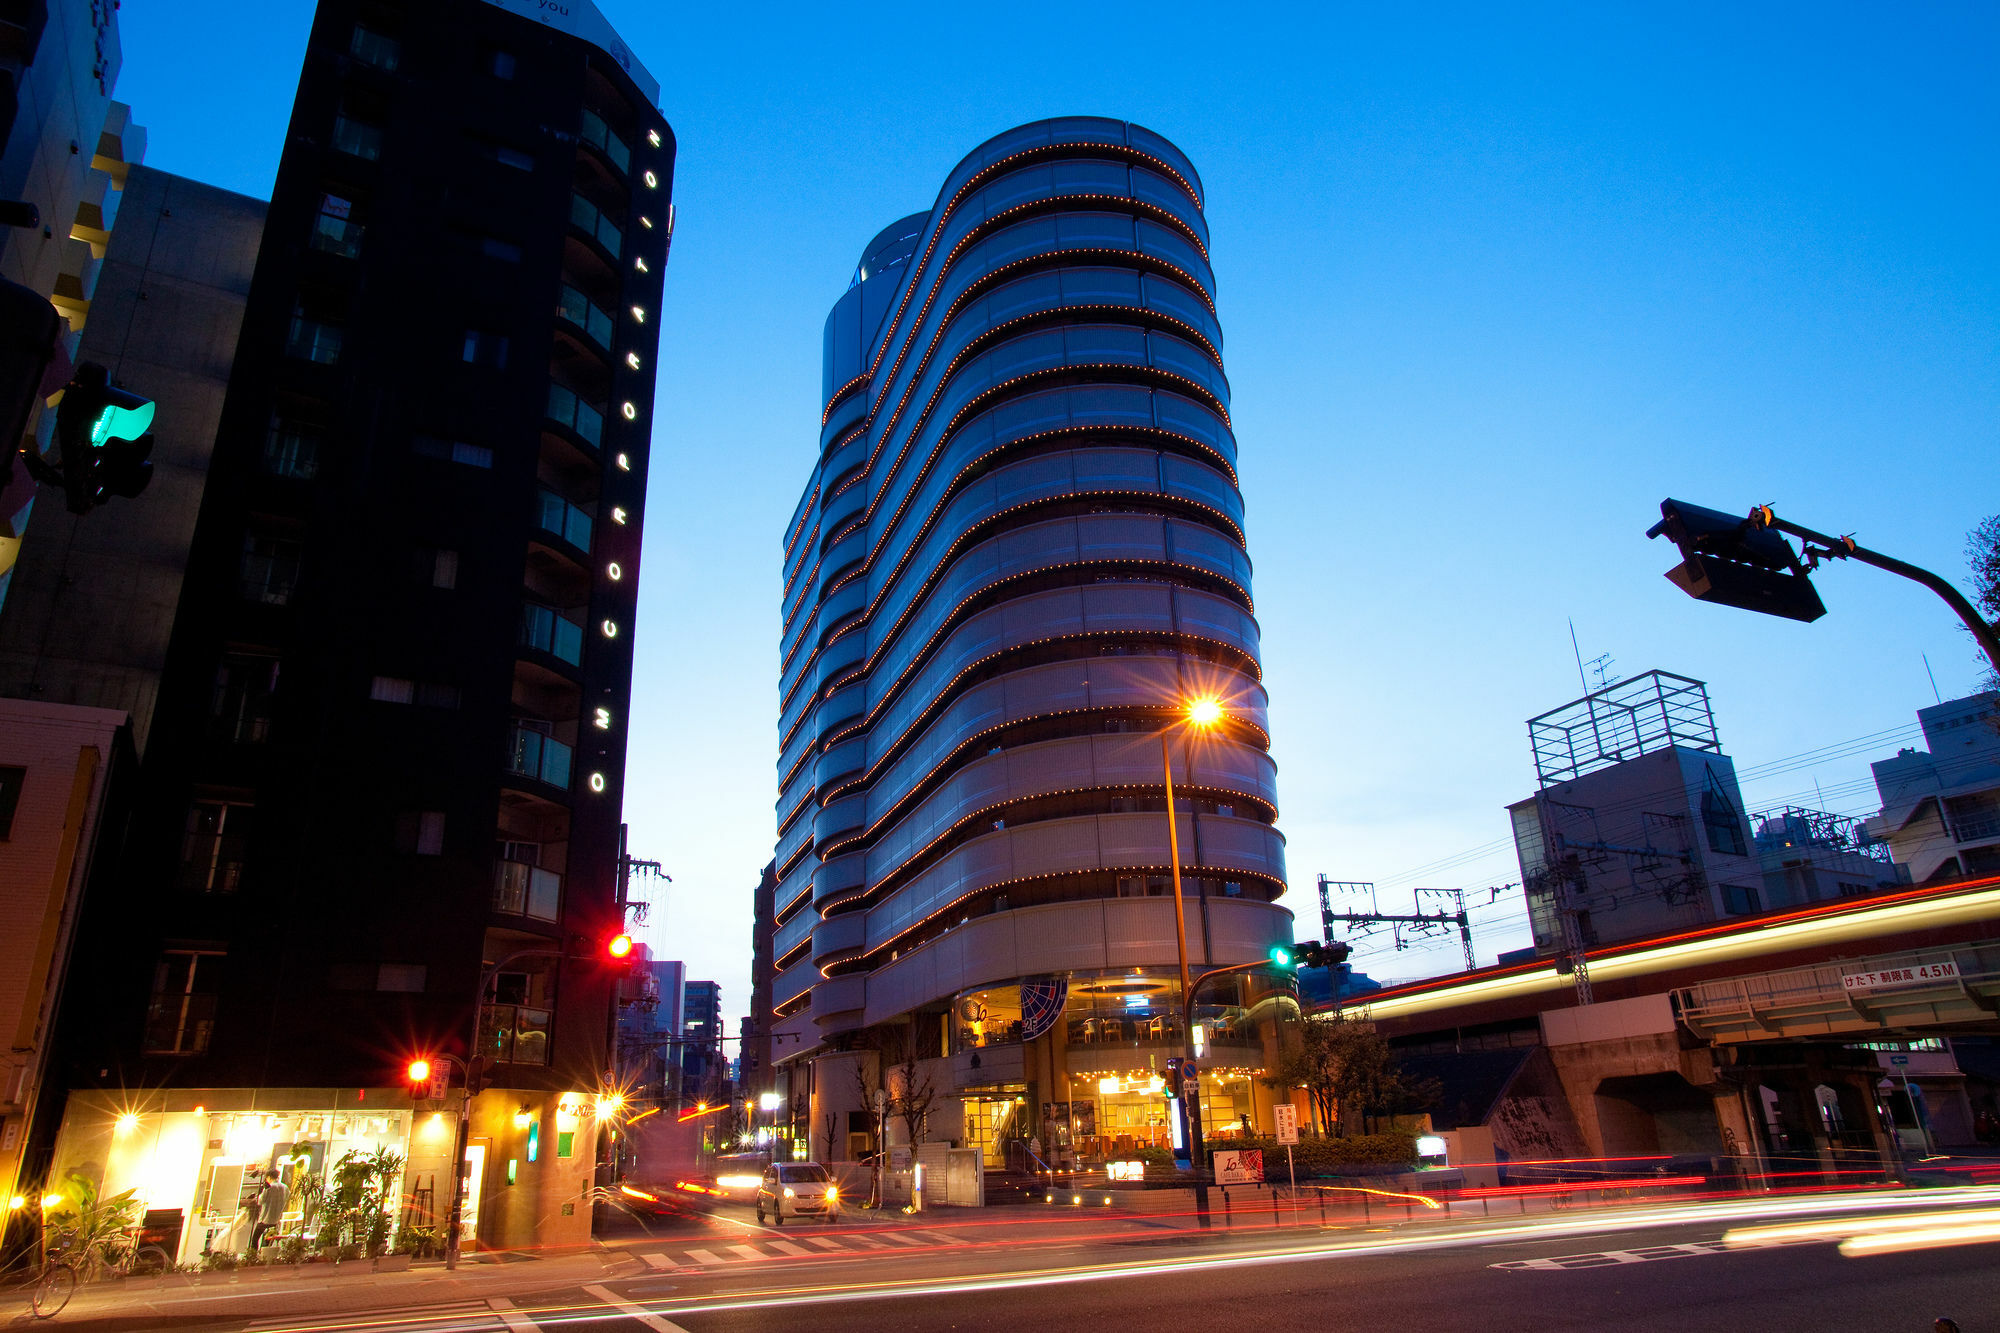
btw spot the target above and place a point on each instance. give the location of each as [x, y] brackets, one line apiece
[1434, 1238]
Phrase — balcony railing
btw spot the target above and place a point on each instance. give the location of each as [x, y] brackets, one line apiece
[520, 889]
[575, 307]
[535, 755]
[557, 515]
[1973, 828]
[596, 133]
[545, 628]
[591, 221]
[581, 416]
[514, 1034]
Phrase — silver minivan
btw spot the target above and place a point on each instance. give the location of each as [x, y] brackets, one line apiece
[797, 1189]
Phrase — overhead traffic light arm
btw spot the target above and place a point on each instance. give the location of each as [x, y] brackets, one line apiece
[1822, 547]
[1744, 562]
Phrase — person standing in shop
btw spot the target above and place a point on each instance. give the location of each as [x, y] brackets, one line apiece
[270, 1206]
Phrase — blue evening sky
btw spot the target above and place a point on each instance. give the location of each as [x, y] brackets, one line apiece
[1494, 280]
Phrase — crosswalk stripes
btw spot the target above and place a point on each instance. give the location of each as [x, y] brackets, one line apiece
[443, 1317]
[723, 1256]
[1613, 1258]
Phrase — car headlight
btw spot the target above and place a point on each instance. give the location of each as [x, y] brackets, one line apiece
[791, 1193]
[833, 1191]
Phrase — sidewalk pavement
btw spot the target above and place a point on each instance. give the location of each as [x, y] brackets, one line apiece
[275, 1291]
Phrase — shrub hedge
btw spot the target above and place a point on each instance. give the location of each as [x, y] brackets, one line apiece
[1361, 1154]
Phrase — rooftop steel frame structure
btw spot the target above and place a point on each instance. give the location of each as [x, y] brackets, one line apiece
[1648, 713]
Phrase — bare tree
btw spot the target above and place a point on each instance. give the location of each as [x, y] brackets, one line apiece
[1982, 557]
[1347, 1067]
[830, 1122]
[868, 1082]
[914, 1096]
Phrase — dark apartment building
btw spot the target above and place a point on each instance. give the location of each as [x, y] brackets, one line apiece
[380, 803]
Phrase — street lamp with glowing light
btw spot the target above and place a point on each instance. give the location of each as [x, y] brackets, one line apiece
[1205, 711]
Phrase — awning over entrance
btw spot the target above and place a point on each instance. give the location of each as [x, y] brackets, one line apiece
[1946, 987]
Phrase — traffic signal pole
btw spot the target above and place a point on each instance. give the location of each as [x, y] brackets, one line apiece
[487, 974]
[1819, 547]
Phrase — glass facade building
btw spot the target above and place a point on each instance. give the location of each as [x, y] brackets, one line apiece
[1018, 556]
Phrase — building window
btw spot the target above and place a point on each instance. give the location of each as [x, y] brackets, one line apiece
[495, 248]
[500, 64]
[245, 687]
[1724, 825]
[291, 450]
[392, 690]
[453, 451]
[181, 1017]
[213, 850]
[567, 521]
[356, 137]
[313, 340]
[1739, 899]
[579, 414]
[503, 154]
[420, 833]
[405, 978]
[422, 693]
[335, 230]
[430, 694]
[374, 48]
[437, 568]
[521, 887]
[11, 782]
[552, 632]
[596, 133]
[485, 349]
[270, 568]
[592, 221]
[577, 308]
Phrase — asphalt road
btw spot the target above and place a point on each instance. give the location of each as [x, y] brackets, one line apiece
[997, 1270]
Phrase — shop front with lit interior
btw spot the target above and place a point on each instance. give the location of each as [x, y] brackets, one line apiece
[194, 1158]
[1072, 1071]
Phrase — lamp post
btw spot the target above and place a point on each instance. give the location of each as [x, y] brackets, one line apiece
[1202, 713]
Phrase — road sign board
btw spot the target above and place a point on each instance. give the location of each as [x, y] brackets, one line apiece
[1899, 1059]
[1890, 977]
[440, 1088]
[1239, 1167]
[1286, 1118]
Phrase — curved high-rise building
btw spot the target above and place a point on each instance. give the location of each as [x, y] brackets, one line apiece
[1018, 558]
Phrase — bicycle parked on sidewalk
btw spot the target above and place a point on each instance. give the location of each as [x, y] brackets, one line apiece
[61, 1271]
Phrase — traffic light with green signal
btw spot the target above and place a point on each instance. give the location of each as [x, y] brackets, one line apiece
[1309, 953]
[104, 437]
